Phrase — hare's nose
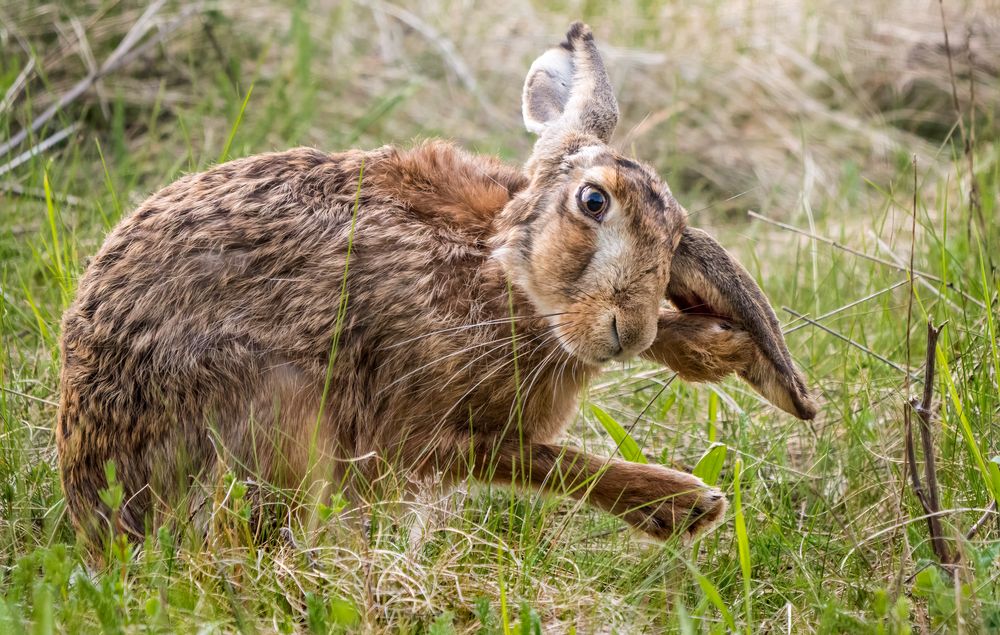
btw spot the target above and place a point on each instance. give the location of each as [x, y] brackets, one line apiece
[630, 333]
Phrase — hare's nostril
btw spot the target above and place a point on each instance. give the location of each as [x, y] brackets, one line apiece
[615, 336]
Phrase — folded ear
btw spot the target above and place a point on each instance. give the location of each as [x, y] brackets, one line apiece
[705, 279]
[567, 89]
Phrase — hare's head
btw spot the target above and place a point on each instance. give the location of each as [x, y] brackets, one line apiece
[597, 241]
[594, 230]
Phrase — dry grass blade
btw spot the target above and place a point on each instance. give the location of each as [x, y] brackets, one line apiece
[860, 254]
[24, 395]
[819, 318]
[20, 190]
[39, 148]
[19, 83]
[843, 337]
[123, 53]
[837, 245]
[447, 51]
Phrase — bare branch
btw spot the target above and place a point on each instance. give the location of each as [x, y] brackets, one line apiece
[930, 501]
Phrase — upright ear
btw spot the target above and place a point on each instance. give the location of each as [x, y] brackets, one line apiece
[567, 90]
[705, 279]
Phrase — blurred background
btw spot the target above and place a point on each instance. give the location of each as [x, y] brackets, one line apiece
[739, 104]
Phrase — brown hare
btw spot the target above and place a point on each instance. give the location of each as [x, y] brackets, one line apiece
[316, 319]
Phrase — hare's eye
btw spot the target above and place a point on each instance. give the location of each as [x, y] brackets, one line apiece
[593, 202]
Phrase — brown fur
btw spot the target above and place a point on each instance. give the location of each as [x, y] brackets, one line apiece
[479, 302]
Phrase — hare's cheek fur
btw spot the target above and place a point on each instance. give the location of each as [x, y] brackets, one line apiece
[592, 283]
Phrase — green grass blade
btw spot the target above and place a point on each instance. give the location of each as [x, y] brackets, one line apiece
[714, 597]
[991, 478]
[742, 543]
[236, 126]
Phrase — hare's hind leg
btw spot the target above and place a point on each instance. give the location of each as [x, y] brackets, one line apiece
[660, 501]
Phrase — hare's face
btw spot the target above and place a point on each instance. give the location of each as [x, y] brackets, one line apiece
[593, 251]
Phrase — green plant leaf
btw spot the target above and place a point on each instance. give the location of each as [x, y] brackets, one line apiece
[710, 464]
[626, 444]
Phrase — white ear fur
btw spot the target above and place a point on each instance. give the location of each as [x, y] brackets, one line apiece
[547, 89]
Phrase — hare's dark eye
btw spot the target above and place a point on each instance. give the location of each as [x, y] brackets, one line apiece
[593, 202]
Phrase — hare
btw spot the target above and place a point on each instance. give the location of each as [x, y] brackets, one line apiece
[320, 318]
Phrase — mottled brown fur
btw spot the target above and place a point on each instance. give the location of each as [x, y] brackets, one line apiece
[480, 301]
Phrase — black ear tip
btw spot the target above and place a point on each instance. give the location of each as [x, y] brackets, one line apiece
[577, 31]
[806, 409]
[805, 405]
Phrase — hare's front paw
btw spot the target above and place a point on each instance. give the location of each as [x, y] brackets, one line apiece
[677, 503]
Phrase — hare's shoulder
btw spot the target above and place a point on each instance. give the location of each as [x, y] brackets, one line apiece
[444, 185]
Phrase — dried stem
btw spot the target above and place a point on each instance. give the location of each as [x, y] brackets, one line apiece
[968, 140]
[857, 345]
[126, 51]
[928, 492]
[976, 526]
[833, 243]
[861, 254]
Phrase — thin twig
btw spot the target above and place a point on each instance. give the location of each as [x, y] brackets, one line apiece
[894, 526]
[23, 395]
[857, 345]
[976, 526]
[34, 192]
[447, 50]
[967, 142]
[910, 454]
[861, 254]
[791, 329]
[18, 84]
[833, 243]
[882, 245]
[931, 502]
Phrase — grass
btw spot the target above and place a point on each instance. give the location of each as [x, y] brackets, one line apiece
[824, 533]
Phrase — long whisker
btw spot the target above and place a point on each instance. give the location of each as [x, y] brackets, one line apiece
[534, 377]
[499, 344]
[464, 327]
[531, 339]
[506, 362]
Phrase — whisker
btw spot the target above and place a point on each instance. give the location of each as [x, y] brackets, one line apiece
[463, 327]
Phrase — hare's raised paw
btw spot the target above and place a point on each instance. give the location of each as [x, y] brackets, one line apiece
[678, 504]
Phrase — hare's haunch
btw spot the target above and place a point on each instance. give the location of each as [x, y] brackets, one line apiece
[202, 332]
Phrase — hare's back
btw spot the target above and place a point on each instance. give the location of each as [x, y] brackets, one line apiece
[241, 246]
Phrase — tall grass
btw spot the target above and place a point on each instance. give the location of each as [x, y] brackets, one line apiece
[810, 112]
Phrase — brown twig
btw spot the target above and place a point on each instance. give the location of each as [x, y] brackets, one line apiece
[976, 526]
[929, 495]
